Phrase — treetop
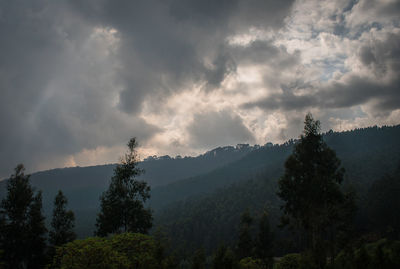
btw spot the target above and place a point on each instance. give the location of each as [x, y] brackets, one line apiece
[311, 126]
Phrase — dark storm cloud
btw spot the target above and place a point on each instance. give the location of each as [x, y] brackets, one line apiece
[211, 129]
[356, 91]
[52, 104]
[56, 88]
[166, 45]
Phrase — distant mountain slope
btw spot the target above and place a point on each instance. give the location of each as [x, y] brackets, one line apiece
[365, 153]
[84, 185]
[265, 159]
[212, 217]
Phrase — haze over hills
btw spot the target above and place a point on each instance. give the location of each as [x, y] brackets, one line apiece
[84, 185]
[366, 154]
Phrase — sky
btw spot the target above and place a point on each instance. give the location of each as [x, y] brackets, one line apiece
[79, 78]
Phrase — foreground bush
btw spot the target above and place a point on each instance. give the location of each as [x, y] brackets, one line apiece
[381, 254]
[121, 251]
[251, 263]
[289, 261]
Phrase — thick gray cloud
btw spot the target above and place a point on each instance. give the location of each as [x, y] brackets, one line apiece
[55, 88]
[63, 89]
[81, 77]
[167, 45]
[382, 58]
[216, 128]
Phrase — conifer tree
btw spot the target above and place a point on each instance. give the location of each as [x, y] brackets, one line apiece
[122, 205]
[62, 223]
[198, 259]
[310, 188]
[36, 235]
[2, 236]
[245, 243]
[264, 241]
[224, 259]
[23, 230]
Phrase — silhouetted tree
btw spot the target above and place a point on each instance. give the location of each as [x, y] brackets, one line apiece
[23, 228]
[362, 260]
[245, 244]
[310, 188]
[224, 259]
[2, 236]
[264, 241]
[122, 205]
[383, 205]
[198, 259]
[62, 223]
[36, 234]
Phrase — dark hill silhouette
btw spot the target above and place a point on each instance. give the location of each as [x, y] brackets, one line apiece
[83, 185]
[366, 155]
[200, 217]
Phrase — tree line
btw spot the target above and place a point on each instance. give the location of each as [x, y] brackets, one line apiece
[23, 241]
[316, 209]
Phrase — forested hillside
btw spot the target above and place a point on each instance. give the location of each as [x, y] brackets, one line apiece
[366, 154]
[231, 214]
[84, 185]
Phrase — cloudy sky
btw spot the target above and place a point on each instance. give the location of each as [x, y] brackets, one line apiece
[79, 78]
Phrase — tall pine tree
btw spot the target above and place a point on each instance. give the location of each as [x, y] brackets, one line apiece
[245, 243]
[23, 230]
[310, 189]
[36, 234]
[122, 205]
[62, 223]
[264, 241]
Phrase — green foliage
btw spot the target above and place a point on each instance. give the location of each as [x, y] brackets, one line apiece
[383, 205]
[2, 264]
[345, 259]
[383, 254]
[198, 259]
[164, 255]
[289, 261]
[62, 223]
[122, 205]
[310, 189]
[251, 263]
[213, 219]
[22, 221]
[91, 253]
[245, 243]
[140, 249]
[36, 234]
[264, 242]
[298, 261]
[120, 251]
[224, 258]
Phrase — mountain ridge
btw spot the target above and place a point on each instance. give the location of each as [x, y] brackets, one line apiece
[360, 150]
